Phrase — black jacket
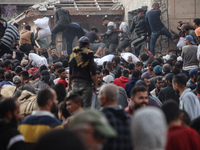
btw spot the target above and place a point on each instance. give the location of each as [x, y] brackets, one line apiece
[62, 17]
[9, 132]
[140, 26]
[168, 93]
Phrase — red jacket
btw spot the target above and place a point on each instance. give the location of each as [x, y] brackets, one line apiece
[182, 138]
[121, 81]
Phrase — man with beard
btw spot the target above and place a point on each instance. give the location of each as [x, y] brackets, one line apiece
[117, 117]
[193, 77]
[139, 98]
[10, 138]
[42, 120]
[188, 101]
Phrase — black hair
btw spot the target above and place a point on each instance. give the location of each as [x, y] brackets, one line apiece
[195, 124]
[109, 64]
[139, 63]
[159, 60]
[150, 60]
[8, 75]
[98, 72]
[7, 104]
[125, 73]
[197, 21]
[136, 89]
[60, 70]
[43, 96]
[175, 36]
[28, 27]
[186, 117]
[94, 29]
[16, 25]
[198, 87]
[144, 57]
[116, 59]
[155, 63]
[136, 73]
[158, 78]
[104, 64]
[65, 63]
[7, 62]
[105, 71]
[25, 75]
[61, 139]
[104, 18]
[76, 98]
[43, 67]
[140, 10]
[131, 66]
[117, 19]
[180, 79]
[178, 65]
[171, 111]
[62, 107]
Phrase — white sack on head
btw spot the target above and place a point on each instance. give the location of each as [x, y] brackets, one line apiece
[126, 55]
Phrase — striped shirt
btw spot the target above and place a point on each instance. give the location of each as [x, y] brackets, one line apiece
[11, 35]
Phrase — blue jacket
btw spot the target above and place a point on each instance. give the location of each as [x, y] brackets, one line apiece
[6, 81]
[130, 85]
[153, 18]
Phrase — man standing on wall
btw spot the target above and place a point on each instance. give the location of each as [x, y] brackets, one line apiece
[157, 27]
[62, 21]
[141, 29]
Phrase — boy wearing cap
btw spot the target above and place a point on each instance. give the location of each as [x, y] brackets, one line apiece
[82, 71]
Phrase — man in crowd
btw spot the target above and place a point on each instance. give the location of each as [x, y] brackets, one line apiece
[188, 101]
[10, 138]
[117, 117]
[94, 45]
[111, 36]
[121, 81]
[10, 38]
[62, 75]
[75, 30]
[139, 98]
[189, 55]
[168, 93]
[93, 128]
[193, 78]
[157, 27]
[136, 74]
[189, 137]
[123, 34]
[62, 20]
[42, 120]
[141, 29]
[8, 79]
[159, 84]
[82, 71]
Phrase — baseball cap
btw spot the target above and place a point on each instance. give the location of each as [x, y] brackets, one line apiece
[193, 72]
[190, 38]
[108, 79]
[197, 31]
[97, 119]
[84, 39]
[16, 79]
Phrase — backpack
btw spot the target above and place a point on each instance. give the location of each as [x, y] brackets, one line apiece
[28, 103]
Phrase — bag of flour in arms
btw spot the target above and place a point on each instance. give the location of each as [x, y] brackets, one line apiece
[43, 24]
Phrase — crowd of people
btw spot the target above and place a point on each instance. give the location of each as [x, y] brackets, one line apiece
[50, 100]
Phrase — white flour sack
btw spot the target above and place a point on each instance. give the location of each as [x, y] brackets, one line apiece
[43, 24]
[126, 55]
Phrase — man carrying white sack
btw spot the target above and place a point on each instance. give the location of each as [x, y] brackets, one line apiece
[62, 20]
[37, 60]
